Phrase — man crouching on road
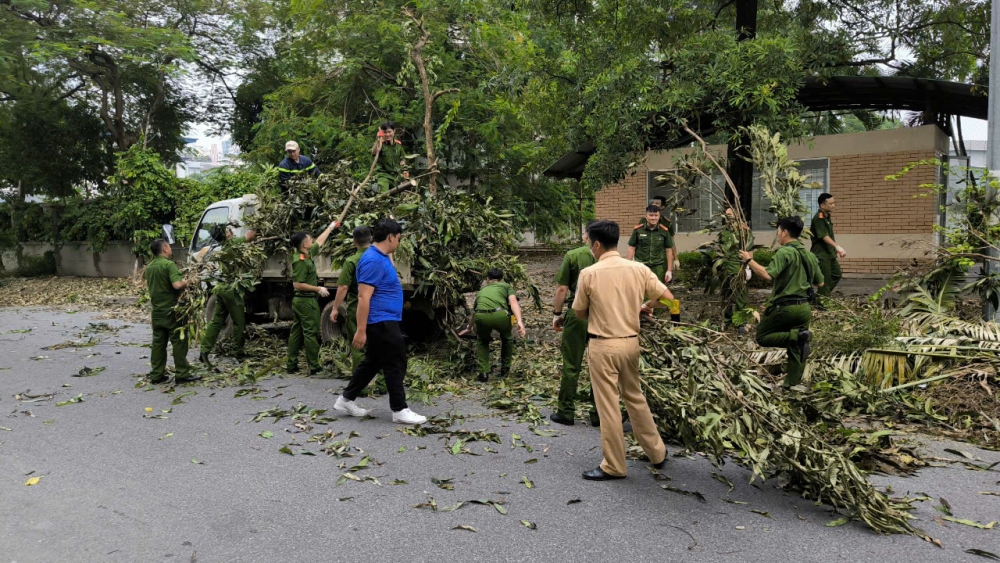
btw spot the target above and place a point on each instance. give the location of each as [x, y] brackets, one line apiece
[380, 311]
[609, 297]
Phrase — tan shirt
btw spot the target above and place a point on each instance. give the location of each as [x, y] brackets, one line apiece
[612, 292]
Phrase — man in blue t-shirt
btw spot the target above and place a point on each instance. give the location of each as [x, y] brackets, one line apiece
[380, 310]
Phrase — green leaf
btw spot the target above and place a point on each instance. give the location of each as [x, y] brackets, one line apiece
[982, 553]
[988, 526]
[465, 527]
[527, 482]
[267, 434]
[529, 525]
[837, 522]
[77, 399]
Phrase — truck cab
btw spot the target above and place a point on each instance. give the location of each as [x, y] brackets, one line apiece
[272, 299]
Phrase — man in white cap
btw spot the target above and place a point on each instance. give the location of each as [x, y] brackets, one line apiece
[293, 165]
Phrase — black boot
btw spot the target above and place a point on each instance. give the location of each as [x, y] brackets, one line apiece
[483, 377]
[203, 358]
[805, 337]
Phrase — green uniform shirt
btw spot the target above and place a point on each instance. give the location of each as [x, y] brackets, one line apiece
[160, 276]
[651, 244]
[822, 226]
[348, 276]
[304, 270]
[492, 297]
[569, 272]
[793, 271]
[390, 157]
[671, 227]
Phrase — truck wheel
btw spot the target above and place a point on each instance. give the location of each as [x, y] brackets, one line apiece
[227, 331]
[329, 330]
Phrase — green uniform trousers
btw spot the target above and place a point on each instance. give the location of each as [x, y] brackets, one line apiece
[573, 345]
[164, 332]
[486, 323]
[831, 275]
[660, 271]
[780, 329]
[350, 328]
[227, 304]
[305, 333]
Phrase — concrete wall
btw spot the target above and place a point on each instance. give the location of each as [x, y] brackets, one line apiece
[117, 261]
[883, 225]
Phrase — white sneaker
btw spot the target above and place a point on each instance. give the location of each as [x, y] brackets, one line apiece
[348, 407]
[406, 416]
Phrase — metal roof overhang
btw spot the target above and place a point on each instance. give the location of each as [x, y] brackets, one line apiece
[872, 93]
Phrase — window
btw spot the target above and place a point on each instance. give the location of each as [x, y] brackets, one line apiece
[815, 170]
[703, 206]
[211, 230]
[698, 204]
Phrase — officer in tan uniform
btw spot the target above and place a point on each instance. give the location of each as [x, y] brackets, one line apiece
[610, 296]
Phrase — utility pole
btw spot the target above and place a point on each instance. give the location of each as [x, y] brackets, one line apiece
[993, 131]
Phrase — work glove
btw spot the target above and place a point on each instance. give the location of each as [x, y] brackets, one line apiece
[323, 292]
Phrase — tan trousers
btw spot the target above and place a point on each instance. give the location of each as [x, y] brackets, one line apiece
[614, 365]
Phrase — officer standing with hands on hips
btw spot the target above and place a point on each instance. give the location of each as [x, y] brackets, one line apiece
[305, 302]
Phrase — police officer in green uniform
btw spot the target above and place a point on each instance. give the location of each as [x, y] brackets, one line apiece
[574, 335]
[389, 172]
[228, 303]
[165, 282]
[305, 302]
[492, 311]
[793, 272]
[661, 202]
[347, 289]
[824, 245]
[650, 244]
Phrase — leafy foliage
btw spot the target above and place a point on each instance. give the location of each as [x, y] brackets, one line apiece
[711, 401]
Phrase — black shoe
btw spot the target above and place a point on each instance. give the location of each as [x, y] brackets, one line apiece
[560, 419]
[291, 371]
[187, 378]
[483, 377]
[159, 380]
[805, 337]
[661, 464]
[595, 420]
[626, 427]
[599, 475]
[315, 371]
[203, 358]
[503, 374]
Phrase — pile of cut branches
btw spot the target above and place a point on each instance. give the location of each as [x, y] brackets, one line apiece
[704, 391]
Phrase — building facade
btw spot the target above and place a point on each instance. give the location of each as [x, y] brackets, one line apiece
[884, 225]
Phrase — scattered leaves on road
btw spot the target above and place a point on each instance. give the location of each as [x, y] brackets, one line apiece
[694, 494]
[89, 372]
[77, 399]
[465, 527]
[32, 482]
[529, 525]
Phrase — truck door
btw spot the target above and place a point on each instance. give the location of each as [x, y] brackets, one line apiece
[211, 230]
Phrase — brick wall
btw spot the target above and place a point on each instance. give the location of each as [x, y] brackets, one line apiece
[623, 202]
[867, 203]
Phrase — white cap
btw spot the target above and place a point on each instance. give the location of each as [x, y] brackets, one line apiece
[291, 146]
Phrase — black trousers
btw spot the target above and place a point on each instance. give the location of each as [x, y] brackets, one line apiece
[386, 351]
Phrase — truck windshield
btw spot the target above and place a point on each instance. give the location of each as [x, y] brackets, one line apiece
[212, 229]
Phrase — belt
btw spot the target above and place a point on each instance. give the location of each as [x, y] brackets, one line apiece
[307, 295]
[498, 309]
[791, 302]
[592, 336]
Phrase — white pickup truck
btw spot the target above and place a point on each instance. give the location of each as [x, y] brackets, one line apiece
[273, 296]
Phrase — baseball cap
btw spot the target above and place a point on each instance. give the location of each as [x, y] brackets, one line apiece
[291, 146]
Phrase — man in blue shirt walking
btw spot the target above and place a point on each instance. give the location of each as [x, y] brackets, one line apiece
[380, 311]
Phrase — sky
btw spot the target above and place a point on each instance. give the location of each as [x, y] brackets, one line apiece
[974, 129]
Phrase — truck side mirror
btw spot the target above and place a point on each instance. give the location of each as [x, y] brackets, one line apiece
[168, 233]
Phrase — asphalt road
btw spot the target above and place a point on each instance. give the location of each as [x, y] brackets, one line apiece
[118, 486]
